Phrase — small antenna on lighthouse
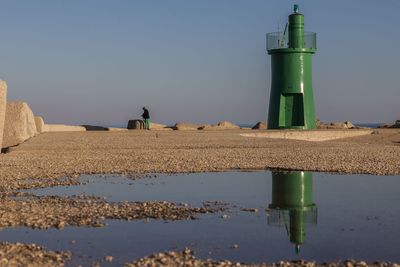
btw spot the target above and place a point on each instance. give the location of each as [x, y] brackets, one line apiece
[296, 8]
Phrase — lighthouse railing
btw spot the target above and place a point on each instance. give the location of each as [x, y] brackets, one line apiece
[278, 40]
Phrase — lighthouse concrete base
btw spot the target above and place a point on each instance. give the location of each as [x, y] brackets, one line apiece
[310, 135]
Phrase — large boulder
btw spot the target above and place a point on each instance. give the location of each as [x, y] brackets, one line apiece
[19, 124]
[94, 128]
[226, 125]
[396, 124]
[223, 125]
[386, 125]
[183, 126]
[341, 125]
[3, 104]
[335, 125]
[320, 125]
[63, 128]
[39, 122]
[209, 127]
[135, 124]
[261, 125]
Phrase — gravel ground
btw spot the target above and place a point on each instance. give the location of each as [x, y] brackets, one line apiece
[53, 211]
[186, 258]
[65, 156]
[18, 254]
[51, 155]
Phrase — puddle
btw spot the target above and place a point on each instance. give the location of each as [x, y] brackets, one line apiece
[327, 217]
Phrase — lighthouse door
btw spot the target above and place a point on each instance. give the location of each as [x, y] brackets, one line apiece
[291, 111]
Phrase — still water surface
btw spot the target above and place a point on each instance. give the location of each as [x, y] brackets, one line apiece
[328, 217]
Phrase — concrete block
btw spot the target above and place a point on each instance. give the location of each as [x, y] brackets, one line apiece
[183, 126]
[62, 128]
[135, 124]
[94, 128]
[310, 135]
[226, 125]
[209, 127]
[335, 125]
[396, 124]
[39, 124]
[261, 125]
[222, 125]
[3, 104]
[19, 124]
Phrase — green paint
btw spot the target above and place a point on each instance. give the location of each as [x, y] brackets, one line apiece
[292, 194]
[291, 104]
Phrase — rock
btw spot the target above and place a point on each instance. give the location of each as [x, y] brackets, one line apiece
[19, 124]
[320, 125]
[3, 104]
[62, 128]
[260, 126]
[94, 128]
[19, 254]
[39, 122]
[250, 209]
[384, 125]
[183, 126]
[341, 125]
[227, 125]
[349, 125]
[102, 128]
[210, 127]
[336, 125]
[135, 124]
[108, 258]
[222, 125]
[396, 124]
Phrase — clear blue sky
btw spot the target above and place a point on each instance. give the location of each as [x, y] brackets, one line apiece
[99, 62]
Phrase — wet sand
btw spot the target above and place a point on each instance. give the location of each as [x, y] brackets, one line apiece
[69, 154]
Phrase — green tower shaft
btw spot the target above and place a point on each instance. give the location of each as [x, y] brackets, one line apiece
[291, 104]
[292, 199]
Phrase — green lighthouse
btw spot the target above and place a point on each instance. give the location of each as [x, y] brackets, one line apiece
[292, 204]
[291, 103]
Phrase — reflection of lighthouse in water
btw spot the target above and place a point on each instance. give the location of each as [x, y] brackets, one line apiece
[292, 205]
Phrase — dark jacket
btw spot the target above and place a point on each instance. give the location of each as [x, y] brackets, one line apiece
[145, 114]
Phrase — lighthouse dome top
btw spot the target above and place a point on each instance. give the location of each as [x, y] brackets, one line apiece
[279, 40]
[296, 8]
[294, 36]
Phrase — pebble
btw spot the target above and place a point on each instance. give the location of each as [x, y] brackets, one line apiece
[108, 258]
[187, 258]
